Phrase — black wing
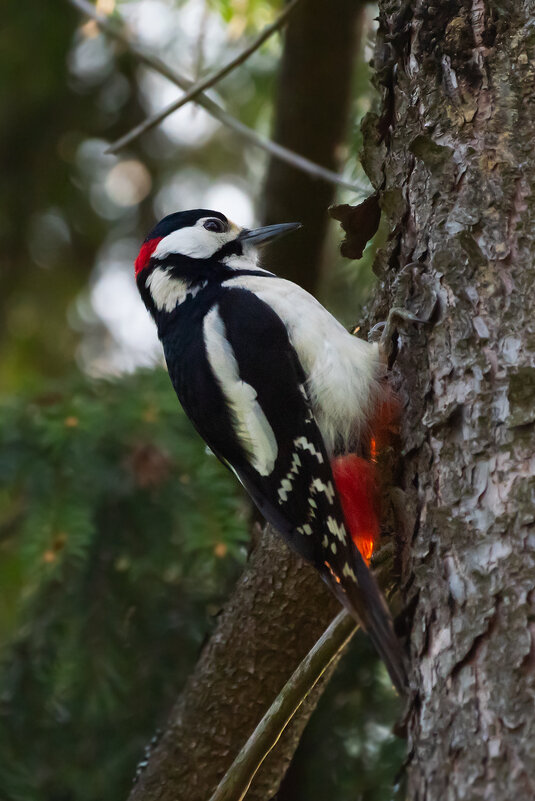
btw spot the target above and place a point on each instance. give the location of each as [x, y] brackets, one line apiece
[296, 492]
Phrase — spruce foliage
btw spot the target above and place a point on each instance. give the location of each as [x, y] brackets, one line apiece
[119, 539]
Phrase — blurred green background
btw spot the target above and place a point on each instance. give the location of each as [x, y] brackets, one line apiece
[120, 538]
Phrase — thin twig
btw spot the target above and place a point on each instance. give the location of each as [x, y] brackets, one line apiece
[205, 83]
[237, 780]
[114, 27]
[198, 56]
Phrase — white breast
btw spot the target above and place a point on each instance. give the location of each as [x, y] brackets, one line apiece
[343, 372]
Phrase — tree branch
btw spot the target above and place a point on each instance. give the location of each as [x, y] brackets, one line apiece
[277, 612]
[237, 780]
[114, 27]
[205, 83]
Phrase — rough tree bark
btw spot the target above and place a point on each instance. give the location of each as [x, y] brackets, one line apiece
[452, 154]
[280, 606]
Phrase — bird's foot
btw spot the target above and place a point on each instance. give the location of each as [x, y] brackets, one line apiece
[385, 332]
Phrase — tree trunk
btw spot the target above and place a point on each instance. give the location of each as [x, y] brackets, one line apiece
[453, 156]
[313, 101]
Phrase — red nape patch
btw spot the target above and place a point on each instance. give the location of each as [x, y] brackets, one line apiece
[146, 251]
[358, 487]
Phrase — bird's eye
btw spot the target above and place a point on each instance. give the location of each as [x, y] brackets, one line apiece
[215, 225]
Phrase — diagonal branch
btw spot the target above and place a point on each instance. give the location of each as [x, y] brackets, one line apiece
[237, 780]
[114, 27]
[205, 83]
[277, 612]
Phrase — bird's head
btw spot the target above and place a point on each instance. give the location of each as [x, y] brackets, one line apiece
[189, 249]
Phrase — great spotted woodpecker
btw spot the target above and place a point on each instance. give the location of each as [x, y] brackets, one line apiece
[282, 394]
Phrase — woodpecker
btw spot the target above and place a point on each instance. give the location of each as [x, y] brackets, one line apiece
[281, 393]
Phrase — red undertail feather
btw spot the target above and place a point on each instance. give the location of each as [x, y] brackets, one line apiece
[357, 479]
[358, 486]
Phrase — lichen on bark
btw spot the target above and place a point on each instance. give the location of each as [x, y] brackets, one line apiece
[453, 146]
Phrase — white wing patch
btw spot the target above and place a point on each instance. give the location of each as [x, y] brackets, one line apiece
[167, 292]
[250, 423]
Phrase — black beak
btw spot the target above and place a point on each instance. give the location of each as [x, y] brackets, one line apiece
[261, 236]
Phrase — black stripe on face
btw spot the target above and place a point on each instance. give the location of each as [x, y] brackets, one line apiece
[233, 248]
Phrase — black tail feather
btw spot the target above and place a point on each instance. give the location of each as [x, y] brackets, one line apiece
[366, 603]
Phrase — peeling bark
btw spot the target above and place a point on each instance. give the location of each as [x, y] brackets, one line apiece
[452, 154]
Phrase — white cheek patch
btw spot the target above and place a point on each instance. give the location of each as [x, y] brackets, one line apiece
[251, 425]
[195, 241]
[168, 292]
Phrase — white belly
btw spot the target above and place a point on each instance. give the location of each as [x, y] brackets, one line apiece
[343, 372]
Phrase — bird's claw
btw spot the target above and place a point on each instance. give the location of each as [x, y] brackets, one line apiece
[375, 333]
[384, 331]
